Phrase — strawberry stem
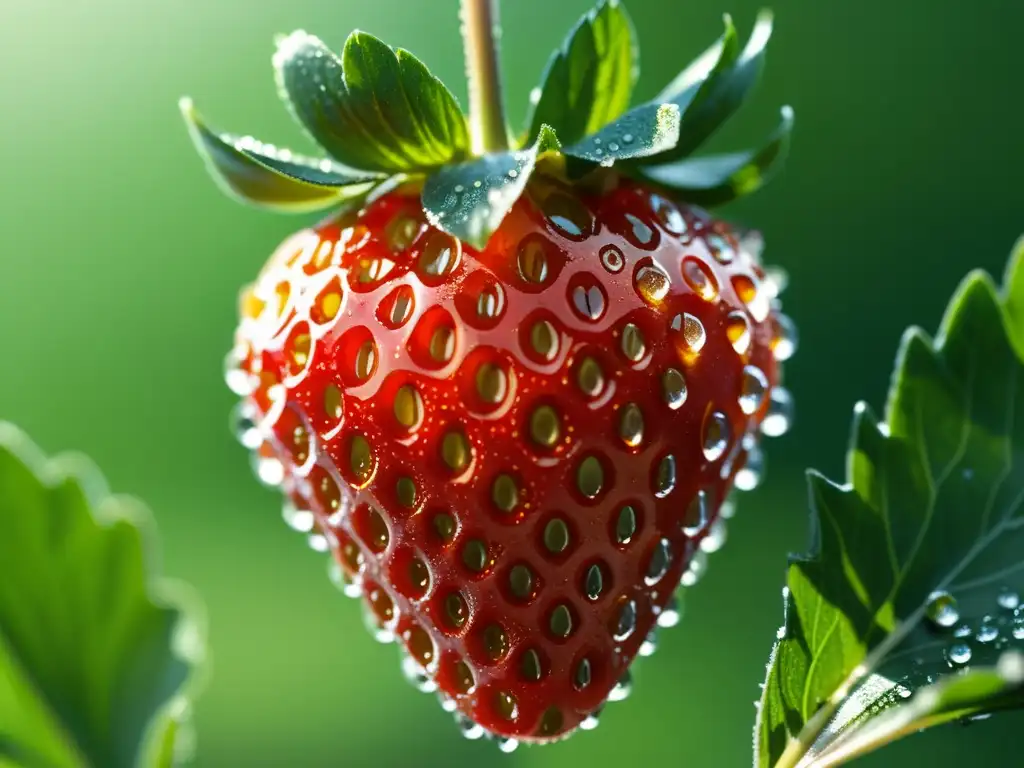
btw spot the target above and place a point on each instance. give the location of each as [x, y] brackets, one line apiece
[486, 112]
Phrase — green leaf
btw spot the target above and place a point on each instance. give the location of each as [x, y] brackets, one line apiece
[708, 97]
[92, 653]
[974, 694]
[917, 564]
[720, 179]
[374, 107]
[471, 200]
[589, 81]
[643, 131]
[263, 175]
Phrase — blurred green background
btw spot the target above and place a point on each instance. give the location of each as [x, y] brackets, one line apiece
[121, 262]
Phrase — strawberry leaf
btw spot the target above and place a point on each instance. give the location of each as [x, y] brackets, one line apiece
[471, 200]
[263, 175]
[719, 179]
[708, 94]
[918, 560]
[646, 130]
[589, 81]
[373, 107]
[93, 656]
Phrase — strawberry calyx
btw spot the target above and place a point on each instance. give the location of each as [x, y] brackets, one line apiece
[383, 120]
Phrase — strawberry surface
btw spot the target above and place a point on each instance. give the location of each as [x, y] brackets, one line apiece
[513, 453]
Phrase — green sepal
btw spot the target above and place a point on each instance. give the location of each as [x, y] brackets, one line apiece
[470, 200]
[706, 103]
[262, 175]
[720, 179]
[374, 107]
[588, 82]
[645, 131]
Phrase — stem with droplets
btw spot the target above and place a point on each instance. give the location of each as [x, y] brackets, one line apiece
[486, 112]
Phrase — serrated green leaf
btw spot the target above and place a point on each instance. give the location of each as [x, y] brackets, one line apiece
[91, 653]
[707, 101]
[917, 562]
[373, 107]
[471, 200]
[720, 179]
[263, 175]
[646, 130]
[589, 81]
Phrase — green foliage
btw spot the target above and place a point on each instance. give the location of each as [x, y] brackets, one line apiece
[720, 179]
[918, 560]
[374, 107]
[262, 175]
[94, 658]
[470, 200]
[589, 81]
[643, 131]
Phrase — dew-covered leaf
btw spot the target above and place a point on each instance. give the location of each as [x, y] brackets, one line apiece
[588, 82]
[710, 90]
[643, 131]
[373, 107]
[917, 563]
[275, 178]
[470, 200]
[719, 179]
[92, 652]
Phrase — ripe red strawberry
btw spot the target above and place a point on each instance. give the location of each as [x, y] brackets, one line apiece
[513, 432]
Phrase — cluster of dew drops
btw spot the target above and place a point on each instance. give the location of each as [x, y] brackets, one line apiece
[651, 284]
[997, 630]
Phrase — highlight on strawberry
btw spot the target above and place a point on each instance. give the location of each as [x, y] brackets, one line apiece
[511, 379]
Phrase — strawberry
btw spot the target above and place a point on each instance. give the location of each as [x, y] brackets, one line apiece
[510, 389]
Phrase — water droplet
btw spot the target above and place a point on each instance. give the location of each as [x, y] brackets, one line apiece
[987, 631]
[625, 620]
[440, 257]
[716, 436]
[737, 328]
[784, 337]
[268, 469]
[469, 729]
[568, 216]
[1008, 599]
[627, 138]
[631, 425]
[962, 631]
[613, 146]
[958, 654]
[671, 614]
[301, 520]
[750, 293]
[506, 706]
[692, 336]
[556, 536]
[652, 284]
[649, 644]
[590, 477]
[673, 388]
[755, 384]
[625, 525]
[700, 279]
[720, 248]
[942, 609]
[696, 569]
[640, 233]
[748, 477]
[622, 689]
[633, 345]
[244, 426]
[1017, 627]
[667, 215]
[588, 300]
[239, 381]
[533, 260]
[779, 418]
[612, 259]
[665, 477]
[697, 514]
[659, 562]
